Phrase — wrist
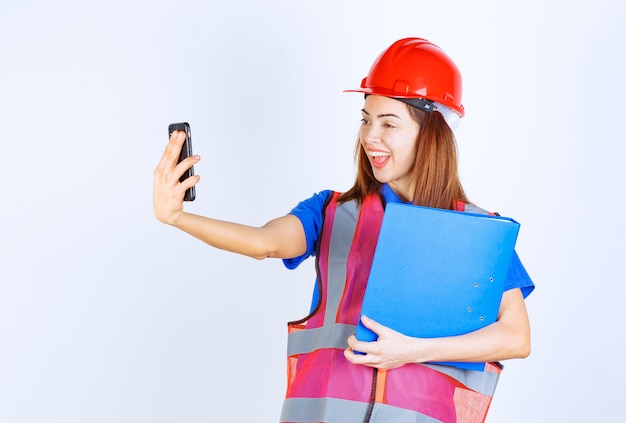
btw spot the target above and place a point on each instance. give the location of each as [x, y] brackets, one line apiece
[423, 350]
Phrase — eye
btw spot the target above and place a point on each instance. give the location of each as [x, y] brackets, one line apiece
[365, 121]
[389, 125]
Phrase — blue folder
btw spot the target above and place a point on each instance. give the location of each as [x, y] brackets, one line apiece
[437, 272]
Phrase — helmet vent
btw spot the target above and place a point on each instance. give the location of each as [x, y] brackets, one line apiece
[401, 87]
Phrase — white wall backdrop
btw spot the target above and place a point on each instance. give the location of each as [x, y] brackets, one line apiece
[108, 316]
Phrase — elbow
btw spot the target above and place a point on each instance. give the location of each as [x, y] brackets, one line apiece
[520, 345]
[523, 351]
[515, 325]
[261, 250]
[261, 253]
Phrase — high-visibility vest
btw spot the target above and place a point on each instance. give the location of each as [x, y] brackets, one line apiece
[323, 386]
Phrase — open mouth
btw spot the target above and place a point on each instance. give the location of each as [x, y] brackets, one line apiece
[379, 158]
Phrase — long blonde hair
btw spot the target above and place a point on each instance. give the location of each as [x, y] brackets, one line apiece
[435, 170]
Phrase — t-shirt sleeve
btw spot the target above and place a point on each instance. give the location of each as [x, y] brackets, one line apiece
[518, 277]
[309, 212]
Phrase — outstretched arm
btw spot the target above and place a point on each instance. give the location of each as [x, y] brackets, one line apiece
[282, 237]
[508, 337]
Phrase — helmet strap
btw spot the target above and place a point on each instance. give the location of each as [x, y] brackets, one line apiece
[419, 103]
[451, 117]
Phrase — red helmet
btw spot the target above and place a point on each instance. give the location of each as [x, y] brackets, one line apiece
[414, 68]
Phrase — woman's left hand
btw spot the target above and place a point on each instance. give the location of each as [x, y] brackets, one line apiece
[390, 350]
[508, 337]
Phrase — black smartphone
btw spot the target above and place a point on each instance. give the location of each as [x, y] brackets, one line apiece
[185, 152]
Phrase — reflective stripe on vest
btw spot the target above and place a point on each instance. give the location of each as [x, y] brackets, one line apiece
[335, 336]
[323, 386]
[336, 410]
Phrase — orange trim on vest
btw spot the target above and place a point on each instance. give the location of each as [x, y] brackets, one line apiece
[381, 381]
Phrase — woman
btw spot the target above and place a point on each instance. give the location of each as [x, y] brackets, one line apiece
[406, 152]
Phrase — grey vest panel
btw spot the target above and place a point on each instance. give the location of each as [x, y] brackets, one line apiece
[306, 341]
[335, 336]
[384, 413]
[473, 209]
[482, 382]
[333, 410]
[344, 226]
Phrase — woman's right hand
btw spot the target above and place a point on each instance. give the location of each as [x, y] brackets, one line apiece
[168, 192]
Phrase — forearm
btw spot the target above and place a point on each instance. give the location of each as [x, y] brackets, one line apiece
[493, 343]
[221, 234]
[270, 240]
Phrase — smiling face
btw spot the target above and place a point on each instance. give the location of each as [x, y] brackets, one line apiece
[388, 136]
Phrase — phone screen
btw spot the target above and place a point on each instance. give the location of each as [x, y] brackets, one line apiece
[185, 152]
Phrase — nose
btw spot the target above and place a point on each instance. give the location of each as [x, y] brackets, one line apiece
[370, 133]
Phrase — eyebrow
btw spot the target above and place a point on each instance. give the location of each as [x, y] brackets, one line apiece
[382, 115]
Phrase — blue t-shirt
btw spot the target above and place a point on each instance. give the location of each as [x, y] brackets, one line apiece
[310, 214]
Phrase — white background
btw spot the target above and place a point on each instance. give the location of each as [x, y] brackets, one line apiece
[107, 315]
